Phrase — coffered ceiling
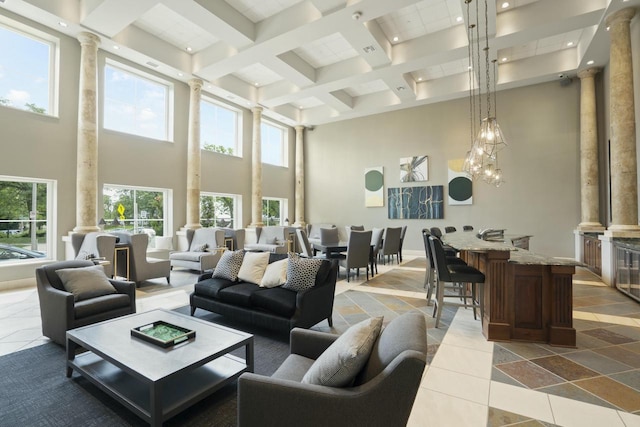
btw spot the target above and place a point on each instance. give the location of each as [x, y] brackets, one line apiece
[311, 62]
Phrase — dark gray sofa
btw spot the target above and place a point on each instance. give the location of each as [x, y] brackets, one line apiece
[273, 308]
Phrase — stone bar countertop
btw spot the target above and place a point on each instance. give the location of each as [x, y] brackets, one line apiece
[629, 243]
[470, 242]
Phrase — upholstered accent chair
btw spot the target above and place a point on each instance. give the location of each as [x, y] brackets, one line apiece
[60, 311]
[313, 231]
[94, 245]
[270, 239]
[203, 251]
[142, 268]
[382, 394]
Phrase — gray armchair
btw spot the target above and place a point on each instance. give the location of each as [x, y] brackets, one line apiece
[198, 256]
[59, 310]
[383, 393]
[270, 239]
[142, 268]
[94, 245]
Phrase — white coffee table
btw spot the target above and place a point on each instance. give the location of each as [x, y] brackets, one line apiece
[153, 382]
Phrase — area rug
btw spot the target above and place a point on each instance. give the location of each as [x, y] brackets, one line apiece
[34, 390]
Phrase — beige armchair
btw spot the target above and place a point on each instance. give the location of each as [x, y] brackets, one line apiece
[203, 251]
[94, 245]
[141, 268]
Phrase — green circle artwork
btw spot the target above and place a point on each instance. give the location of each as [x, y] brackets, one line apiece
[460, 188]
[373, 180]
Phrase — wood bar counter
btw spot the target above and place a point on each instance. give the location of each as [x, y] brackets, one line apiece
[527, 297]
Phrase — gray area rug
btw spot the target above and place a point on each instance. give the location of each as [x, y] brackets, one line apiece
[34, 390]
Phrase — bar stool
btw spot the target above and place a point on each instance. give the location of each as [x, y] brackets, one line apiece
[456, 275]
[430, 273]
[450, 229]
[467, 228]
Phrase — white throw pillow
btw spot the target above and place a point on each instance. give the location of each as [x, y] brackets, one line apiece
[85, 282]
[253, 267]
[339, 364]
[275, 274]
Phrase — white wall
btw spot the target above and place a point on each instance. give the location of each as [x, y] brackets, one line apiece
[541, 195]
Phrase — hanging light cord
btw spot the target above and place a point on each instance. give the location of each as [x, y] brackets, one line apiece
[486, 56]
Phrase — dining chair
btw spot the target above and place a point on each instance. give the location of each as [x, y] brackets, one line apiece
[450, 229]
[402, 234]
[456, 275]
[305, 246]
[329, 236]
[358, 252]
[348, 228]
[467, 228]
[391, 243]
[376, 244]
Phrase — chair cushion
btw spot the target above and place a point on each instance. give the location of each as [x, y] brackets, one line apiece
[339, 364]
[211, 287]
[187, 256]
[275, 274]
[253, 267]
[293, 368]
[301, 272]
[276, 300]
[99, 305]
[229, 265]
[238, 294]
[85, 282]
[406, 332]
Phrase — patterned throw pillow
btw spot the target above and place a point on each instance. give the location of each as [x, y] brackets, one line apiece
[301, 272]
[229, 265]
[199, 248]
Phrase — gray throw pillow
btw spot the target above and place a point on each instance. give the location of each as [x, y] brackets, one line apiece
[301, 272]
[199, 248]
[229, 265]
[339, 364]
[85, 282]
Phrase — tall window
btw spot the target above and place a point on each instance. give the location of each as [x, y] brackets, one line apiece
[219, 210]
[274, 147]
[137, 209]
[137, 103]
[25, 209]
[220, 128]
[28, 65]
[274, 211]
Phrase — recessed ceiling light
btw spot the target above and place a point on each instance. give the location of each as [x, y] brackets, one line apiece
[607, 28]
[189, 49]
[209, 86]
[590, 62]
[257, 84]
[419, 79]
[180, 74]
[396, 38]
[504, 59]
[569, 44]
[63, 24]
[505, 5]
[459, 19]
[116, 47]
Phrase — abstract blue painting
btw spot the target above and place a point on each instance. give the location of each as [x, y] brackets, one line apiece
[416, 202]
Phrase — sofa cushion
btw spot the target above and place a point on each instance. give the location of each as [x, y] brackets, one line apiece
[253, 267]
[187, 256]
[229, 265]
[211, 287]
[301, 272]
[339, 364]
[276, 300]
[238, 294]
[275, 274]
[85, 282]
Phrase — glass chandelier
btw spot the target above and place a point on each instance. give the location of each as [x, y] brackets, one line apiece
[481, 161]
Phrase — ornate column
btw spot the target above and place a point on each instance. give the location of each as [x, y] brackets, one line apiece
[256, 169]
[299, 213]
[87, 145]
[589, 177]
[624, 168]
[193, 156]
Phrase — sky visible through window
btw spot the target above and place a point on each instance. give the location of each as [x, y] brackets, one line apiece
[24, 71]
[272, 144]
[218, 126]
[134, 104]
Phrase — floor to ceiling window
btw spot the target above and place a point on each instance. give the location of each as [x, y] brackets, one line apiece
[274, 147]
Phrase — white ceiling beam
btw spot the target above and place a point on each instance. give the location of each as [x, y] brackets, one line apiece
[292, 68]
[218, 18]
[109, 17]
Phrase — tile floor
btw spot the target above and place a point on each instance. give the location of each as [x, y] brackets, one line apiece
[468, 381]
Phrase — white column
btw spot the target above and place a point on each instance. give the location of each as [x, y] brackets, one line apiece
[193, 156]
[624, 168]
[299, 213]
[256, 170]
[87, 144]
[589, 176]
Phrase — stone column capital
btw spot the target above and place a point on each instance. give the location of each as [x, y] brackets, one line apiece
[257, 110]
[195, 83]
[299, 128]
[623, 15]
[589, 72]
[86, 38]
